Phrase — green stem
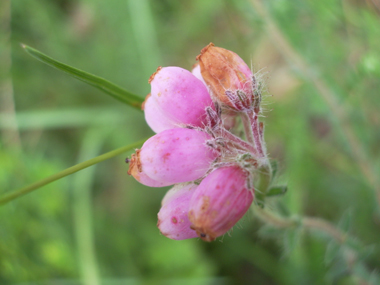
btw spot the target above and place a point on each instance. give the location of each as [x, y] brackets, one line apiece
[264, 174]
[27, 189]
[306, 222]
[332, 100]
[317, 224]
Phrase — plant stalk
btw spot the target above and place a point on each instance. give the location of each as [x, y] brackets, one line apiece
[27, 189]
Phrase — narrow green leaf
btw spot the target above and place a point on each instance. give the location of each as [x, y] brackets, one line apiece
[102, 84]
[337, 273]
[27, 189]
[269, 231]
[346, 220]
[374, 278]
[277, 190]
[333, 249]
[274, 165]
[291, 239]
[366, 251]
[360, 270]
[283, 209]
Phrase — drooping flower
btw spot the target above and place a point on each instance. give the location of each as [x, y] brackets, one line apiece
[219, 202]
[177, 99]
[229, 116]
[173, 156]
[229, 78]
[173, 220]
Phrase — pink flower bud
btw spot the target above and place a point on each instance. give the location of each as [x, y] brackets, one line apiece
[173, 221]
[229, 78]
[180, 97]
[219, 202]
[174, 156]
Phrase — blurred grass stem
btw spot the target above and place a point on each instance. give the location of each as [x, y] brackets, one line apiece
[25, 190]
[10, 137]
[144, 34]
[326, 93]
[82, 209]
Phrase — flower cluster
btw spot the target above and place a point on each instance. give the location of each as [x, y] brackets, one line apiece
[212, 169]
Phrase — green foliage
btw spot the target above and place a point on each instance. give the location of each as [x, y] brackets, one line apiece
[276, 191]
[125, 42]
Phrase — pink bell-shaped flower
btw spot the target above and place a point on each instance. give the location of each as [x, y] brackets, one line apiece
[219, 202]
[178, 98]
[173, 221]
[173, 156]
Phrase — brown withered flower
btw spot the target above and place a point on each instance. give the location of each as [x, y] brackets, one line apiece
[228, 77]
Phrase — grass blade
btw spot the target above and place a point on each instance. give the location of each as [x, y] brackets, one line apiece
[93, 80]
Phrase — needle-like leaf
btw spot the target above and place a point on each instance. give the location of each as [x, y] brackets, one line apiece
[100, 83]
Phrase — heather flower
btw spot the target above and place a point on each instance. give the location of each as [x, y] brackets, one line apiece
[229, 78]
[174, 156]
[220, 200]
[229, 116]
[173, 221]
[177, 99]
[194, 148]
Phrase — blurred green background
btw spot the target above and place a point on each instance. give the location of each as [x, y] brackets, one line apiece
[99, 226]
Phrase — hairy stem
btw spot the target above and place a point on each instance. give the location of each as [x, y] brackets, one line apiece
[247, 128]
[255, 127]
[306, 222]
[238, 142]
[310, 223]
